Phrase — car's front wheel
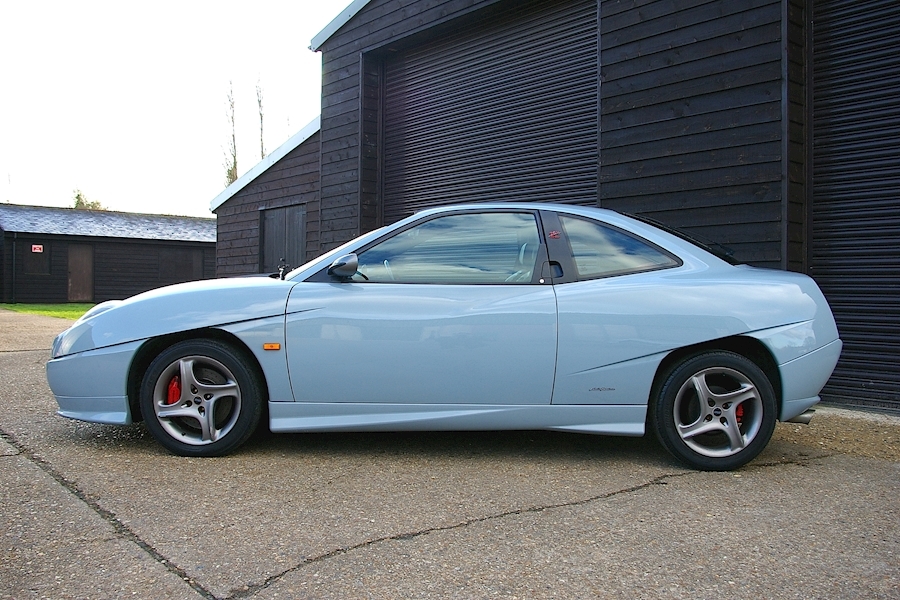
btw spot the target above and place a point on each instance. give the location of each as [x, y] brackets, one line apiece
[201, 398]
[714, 411]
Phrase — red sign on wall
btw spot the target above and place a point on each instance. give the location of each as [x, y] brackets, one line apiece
[37, 247]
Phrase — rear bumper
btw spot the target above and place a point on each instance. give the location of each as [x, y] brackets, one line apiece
[804, 377]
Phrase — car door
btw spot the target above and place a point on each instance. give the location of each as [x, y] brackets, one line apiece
[617, 318]
[448, 310]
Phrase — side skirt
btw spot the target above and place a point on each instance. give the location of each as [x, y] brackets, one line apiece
[597, 419]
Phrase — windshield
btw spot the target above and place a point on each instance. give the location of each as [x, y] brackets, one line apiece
[342, 249]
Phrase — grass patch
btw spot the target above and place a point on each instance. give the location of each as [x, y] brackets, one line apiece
[62, 311]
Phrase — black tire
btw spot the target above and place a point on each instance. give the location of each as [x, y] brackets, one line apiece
[726, 430]
[201, 398]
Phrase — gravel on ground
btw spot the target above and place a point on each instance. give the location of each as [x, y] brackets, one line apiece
[854, 432]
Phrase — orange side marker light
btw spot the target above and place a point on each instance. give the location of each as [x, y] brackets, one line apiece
[272, 346]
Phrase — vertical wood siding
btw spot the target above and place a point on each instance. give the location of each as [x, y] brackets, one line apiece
[292, 180]
[691, 118]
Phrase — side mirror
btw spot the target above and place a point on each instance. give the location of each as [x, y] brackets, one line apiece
[344, 267]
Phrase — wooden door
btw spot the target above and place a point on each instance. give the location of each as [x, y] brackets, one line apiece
[81, 273]
[283, 238]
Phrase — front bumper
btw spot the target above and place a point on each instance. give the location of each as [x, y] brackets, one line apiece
[92, 385]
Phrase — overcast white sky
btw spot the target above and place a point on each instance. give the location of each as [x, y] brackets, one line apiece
[126, 101]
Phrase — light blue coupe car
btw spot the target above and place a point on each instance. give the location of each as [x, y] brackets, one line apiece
[474, 317]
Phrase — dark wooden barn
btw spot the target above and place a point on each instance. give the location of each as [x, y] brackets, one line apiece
[51, 255]
[264, 217]
[768, 125]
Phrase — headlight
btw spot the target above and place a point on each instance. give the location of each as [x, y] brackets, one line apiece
[66, 342]
[57, 342]
[78, 338]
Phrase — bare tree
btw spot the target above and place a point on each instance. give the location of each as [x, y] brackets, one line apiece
[231, 164]
[262, 144]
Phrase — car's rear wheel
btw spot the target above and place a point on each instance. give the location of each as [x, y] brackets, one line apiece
[201, 398]
[714, 411]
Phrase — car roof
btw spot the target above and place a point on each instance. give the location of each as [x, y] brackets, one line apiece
[684, 249]
[572, 208]
[612, 217]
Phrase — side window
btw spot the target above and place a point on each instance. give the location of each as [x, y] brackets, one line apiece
[477, 248]
[603, 251]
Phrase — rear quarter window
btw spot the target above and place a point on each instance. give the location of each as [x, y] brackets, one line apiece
[600, 250]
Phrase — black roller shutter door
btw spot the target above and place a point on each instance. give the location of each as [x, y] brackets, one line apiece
[856, 192]
[504, 109]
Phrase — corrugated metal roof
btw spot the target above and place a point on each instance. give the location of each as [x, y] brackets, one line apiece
[108, 224]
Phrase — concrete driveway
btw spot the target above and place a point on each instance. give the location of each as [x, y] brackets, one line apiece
[93, 511]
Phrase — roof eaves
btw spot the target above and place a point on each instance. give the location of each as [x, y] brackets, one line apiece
[260, 167]
[45, 220]
[338, 22]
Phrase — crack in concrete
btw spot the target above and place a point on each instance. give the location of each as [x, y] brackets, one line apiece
[251, 589]
[109, 517]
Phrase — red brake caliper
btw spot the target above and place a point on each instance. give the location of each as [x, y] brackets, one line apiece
[174, 391]
[738, 412]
